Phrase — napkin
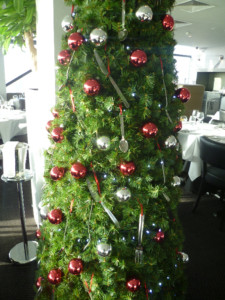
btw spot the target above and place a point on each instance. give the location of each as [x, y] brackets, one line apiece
[9, 159]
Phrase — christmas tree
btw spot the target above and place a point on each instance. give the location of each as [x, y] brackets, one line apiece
[112, 185]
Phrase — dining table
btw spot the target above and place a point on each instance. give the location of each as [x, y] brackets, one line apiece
[12, 123]
[189, 140]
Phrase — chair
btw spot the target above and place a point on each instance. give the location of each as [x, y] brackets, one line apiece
[213, 169]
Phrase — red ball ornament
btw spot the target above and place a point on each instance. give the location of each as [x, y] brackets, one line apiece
[57, 135]
[159, 237]
[138, 58]
[64, 57]
[38, 282]
[178, 127]
[55, 276]
[55, 113]
[168, 22]
[78, 170]
[38, 233]
[183, 94]
[127, 168]
[75, 40]
[149, 130]
[133, 284]
[48, 125]
[55, 216]
[75, 266]
[92, 87]
[57, 173]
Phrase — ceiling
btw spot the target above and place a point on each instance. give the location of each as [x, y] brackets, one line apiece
[205, 28]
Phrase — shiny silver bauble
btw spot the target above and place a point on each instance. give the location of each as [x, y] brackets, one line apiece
[123, 194]
[98, 37]
[43, 210]
[103, 143]
[67, 24]
[104, 250]
[171, 141]
[184, 257]
[144, 13]
[176, 181]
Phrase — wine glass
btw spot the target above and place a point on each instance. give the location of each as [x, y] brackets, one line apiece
[183, 118]
[195, 113]
[200, 116]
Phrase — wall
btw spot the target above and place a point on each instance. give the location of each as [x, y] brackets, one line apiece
[2, 76]
[39, 102]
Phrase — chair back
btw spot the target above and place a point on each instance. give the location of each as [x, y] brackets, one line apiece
[212, 152]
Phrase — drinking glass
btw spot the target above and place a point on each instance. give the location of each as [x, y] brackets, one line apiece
[192, 119]
[200, 116]
[183, 118]
[195, 113]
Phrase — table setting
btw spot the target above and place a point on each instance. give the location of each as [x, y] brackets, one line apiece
[12, 123]
[189, 139]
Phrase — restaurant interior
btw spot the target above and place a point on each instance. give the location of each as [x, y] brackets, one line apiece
[26, 99]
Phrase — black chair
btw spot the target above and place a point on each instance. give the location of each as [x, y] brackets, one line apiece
[212, 154]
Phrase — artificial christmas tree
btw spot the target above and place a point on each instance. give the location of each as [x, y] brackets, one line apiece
[112, 172]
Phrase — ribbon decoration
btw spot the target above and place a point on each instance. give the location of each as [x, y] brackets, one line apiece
[71, 205]
[96, 197]
[164, 85]
[86, 284]
[96, 179]
[107, 73]
[146, 291]
[72, 101]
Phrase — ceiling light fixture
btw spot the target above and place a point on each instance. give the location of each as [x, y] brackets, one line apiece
[194, 6]
[179, 24]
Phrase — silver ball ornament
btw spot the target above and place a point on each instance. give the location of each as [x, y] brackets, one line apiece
[43, 210]
[184, 257]
[103, 143]
[67, 24]
[123, 194]
[176, 181]
[98, 37]
[144, 13]
[171, 141]
[104, 250]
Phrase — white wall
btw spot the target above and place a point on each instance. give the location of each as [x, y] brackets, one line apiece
[2, 76]
[39, 103]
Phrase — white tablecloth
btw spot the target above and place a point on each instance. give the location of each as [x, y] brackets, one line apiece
[12, 123]
[189, 138]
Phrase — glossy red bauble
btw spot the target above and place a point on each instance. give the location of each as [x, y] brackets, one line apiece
[149, 130]
[75, 40]
[138, 58]
[38, 233]
[178, 127]
[38, 282]
[127, 168]
[55, 276]
[55, 216]
[48, 125]
[168, 22]
[133, 284]
[55, 113]
[92, 87]
[78, 170]
[183, 94]
[76, 266]
[64, 57]
[57, 134]
[57, 173]
[159, 237]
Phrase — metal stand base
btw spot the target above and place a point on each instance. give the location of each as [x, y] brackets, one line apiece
[19, 256]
